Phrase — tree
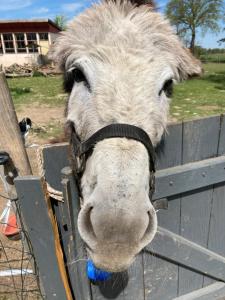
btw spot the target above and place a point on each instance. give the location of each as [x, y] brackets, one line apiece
[60, 21]
[222, 40]
[189, 16]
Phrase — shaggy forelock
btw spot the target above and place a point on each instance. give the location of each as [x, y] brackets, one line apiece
[122, 25]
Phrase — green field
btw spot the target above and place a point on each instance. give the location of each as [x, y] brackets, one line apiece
[213, 58]
[202, 96]
[193, 98]
[41, 90]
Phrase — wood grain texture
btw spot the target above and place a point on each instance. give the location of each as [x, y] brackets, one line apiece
[169, 151]
[216, 235]
[122, 286]
[56, 157]
[33, 203]
[188, 254]
[161, 276]
[11, 139]
[189, 177]
[200, 141]
[221, 146]
[78, 258]
[214, 291]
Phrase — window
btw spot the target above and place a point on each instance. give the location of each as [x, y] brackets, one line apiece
[20, 43]
[32, 42]
[43, 36]
[8, 41]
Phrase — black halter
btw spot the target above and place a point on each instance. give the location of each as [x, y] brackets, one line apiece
[82, 150]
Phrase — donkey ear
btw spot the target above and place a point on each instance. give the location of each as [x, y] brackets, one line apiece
[144, 2]
[150, 3]
[188, 65]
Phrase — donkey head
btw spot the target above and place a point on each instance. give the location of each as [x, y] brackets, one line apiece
[120, 61]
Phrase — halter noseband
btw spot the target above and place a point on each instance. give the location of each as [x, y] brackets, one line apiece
[82, 150]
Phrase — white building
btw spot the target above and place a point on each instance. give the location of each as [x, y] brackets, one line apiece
[25, 41]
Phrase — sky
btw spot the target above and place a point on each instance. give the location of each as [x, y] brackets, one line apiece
[28, 9]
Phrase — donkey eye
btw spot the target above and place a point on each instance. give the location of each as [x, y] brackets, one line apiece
[167, 88]
[72, 77]
[78, 76]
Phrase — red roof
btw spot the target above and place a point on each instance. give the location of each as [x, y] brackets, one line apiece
[37, 25]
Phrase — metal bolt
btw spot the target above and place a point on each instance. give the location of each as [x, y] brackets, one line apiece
[171, 183]
[203, 174]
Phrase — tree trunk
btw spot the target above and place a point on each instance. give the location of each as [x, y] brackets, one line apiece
[192, 44]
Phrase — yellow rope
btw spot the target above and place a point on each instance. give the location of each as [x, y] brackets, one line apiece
[53, 193]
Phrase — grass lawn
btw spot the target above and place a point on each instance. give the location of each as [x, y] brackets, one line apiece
[39, 90]
[192, 99]
[200, 97]
[215, 57]
[43, 100]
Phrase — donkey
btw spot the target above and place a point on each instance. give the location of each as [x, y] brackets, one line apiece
[120, 60]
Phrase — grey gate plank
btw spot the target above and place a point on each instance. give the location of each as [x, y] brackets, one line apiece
[214, 291]
[73, 244]
[169, 151]
[33, 204]
[221, 150]
[216, 239]
[135, 287]
[189, 177]
[161, 276]
[56, 157]
[200, 141]
[127, 286]
[188, 254]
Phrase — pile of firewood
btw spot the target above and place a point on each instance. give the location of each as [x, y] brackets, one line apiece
[16, 70]
[27, 70]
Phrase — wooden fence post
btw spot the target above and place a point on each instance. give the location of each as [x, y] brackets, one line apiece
[11, 139]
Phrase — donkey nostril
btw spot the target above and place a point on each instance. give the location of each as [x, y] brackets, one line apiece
[150, 228]
[85, 225]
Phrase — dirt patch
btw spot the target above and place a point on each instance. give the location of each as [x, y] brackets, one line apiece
[208, 107]
[41, 114]
[48, 122]
[172, 120]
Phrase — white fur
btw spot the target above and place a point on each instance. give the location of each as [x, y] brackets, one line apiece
[127, 53]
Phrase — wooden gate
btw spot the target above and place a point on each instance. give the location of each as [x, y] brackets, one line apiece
[186, 259]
